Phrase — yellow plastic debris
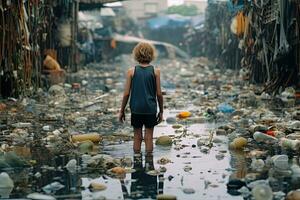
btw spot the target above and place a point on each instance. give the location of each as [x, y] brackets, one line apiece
[93, 137]
[239, 143]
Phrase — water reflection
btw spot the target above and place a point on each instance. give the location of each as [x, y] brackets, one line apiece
[143, 185]
[239, 163]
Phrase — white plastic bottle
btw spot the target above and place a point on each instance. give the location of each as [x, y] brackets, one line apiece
[295, 171]
[261, 137]
[257, 164]
[262, 192]
[280, 162]
[290, 144]
[6, 185]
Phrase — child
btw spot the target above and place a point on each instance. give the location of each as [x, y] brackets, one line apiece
[143, 87]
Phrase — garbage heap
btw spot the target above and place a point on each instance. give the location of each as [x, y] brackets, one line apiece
[267, 34]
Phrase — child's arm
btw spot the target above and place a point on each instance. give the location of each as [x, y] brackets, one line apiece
[159, 96]
[125, 95]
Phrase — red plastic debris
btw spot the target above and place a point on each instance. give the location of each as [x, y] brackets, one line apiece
[270, 132]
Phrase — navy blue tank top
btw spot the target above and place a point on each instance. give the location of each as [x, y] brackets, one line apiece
[143, 91]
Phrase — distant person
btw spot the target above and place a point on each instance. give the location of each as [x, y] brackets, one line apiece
[143, 87]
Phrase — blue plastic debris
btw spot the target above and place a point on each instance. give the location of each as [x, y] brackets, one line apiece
[225, 108]
[234, 8]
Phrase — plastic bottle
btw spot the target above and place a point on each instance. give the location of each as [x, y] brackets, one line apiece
[295, 170]
[257, 164]
[280, 162]
[85, 158]
[262, 192]
[261, 137]
[290, 144]
[6, 185]
[71, 166]
[21, 125]
[93, 137]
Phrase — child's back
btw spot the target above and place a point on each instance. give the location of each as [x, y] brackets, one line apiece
[143, 90]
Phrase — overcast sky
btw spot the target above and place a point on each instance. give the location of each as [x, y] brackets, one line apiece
[175, 2]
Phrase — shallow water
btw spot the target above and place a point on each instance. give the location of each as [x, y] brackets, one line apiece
[205, 167]
[208, 176]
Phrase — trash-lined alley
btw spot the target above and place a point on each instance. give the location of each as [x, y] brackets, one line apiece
[231, 109]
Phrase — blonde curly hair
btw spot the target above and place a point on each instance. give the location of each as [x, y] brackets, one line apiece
[144, 52]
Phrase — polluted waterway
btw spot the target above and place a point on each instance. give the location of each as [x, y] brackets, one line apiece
[218, 139]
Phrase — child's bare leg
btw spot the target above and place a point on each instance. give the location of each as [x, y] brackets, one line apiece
[137, 140]
[149, 140]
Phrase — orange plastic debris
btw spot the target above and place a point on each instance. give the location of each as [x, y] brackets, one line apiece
[50, 63]
[113, 43]
[184, 114]
[240, 24]
[118, 170]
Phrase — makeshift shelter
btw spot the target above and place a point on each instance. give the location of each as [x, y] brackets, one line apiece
[159, 28]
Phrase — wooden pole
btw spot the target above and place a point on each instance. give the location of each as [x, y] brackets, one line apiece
[71, 55]
[76, 33]
[75, 9]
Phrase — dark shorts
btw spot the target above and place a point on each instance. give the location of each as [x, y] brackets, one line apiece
[138, 120]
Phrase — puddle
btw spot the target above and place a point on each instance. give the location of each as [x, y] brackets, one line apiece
[205, 167]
